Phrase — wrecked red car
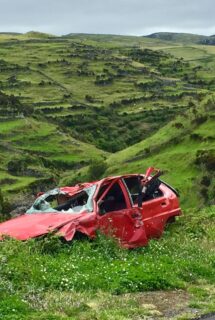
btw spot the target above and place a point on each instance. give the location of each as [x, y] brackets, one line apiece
[132, 208]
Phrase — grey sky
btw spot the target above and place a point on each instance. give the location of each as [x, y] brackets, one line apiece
[131, 17]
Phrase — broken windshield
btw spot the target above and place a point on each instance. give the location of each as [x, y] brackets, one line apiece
[57, 201]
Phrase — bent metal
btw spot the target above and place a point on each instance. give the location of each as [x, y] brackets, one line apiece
[131, 208]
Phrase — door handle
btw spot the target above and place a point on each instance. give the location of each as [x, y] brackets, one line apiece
[163, 204]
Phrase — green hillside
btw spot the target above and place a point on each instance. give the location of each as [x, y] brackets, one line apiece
[68, 100]
[36, 152]
[184, 149]
[183, 38]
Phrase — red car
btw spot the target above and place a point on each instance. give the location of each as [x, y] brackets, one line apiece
[132, 208]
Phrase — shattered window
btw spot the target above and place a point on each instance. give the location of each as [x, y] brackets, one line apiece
[59, 201]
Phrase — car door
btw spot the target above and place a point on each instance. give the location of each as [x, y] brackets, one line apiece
[154, 208]
[155, 213]
[117, 218]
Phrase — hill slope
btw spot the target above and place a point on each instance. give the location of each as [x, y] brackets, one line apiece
[78, 97]
[183, 38]
[34, 154]
[184, 148]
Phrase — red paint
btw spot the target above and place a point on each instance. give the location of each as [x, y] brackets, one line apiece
[114, 213]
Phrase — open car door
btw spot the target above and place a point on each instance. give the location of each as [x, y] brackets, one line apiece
[117, 218]
[147, 193]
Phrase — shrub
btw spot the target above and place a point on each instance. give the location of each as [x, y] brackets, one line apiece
[195, 136]
[206, 158]
[89, 98]
[96, 169]
[178, 125]
[5, 207]
[206, 181]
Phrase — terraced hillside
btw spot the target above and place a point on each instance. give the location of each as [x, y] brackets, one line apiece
[79, 105]
[68, 100]
[35, 153]
[62, 80]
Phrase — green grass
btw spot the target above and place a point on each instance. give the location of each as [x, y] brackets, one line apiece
[189, 52]
[174, 149]
[179, 37]
[8, 126]
[46, 275]
[19, 184]
[44, 147]
[206, 129]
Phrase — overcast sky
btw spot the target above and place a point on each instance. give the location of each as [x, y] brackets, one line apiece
[131, 17]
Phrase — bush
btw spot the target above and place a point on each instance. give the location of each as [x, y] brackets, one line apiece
[96, 169]
[5, 207]
[206, 181]
[206, 158]
[89, 98]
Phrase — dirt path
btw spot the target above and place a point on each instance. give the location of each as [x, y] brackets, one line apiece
[172, 304]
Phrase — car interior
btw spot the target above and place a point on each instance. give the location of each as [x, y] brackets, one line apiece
[133, 185]
[114, 200]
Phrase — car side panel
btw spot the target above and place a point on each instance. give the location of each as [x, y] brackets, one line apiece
[156, 212]
[126, 226]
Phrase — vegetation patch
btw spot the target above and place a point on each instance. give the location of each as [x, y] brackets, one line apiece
[32, 270]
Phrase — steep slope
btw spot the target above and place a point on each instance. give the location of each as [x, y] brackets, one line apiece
[184, 149]
[33, 152]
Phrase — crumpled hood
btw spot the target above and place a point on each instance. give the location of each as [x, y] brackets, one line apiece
[34, 225]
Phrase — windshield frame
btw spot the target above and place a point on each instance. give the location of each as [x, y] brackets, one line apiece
[89, 206]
